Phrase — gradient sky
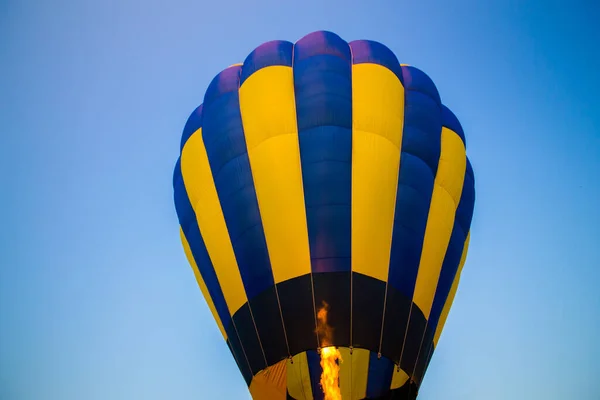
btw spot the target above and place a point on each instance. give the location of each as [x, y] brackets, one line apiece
[97, 301]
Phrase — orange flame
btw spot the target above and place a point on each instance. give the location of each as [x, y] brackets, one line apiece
[330, 357]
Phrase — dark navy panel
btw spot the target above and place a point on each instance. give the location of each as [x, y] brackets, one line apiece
[296, 299]
[249, 339]
[267, 319]
[397, 309]
[413, 339]
[194, 122]
[419, 81]
[368, 297]
[334, 289]
[380, 376]
[450, 121]
[426, 349]
[408, 391]
[323, 91]
[189, 225]
[228, 157]
[239, 358]
[315, 370]
[368, 51]
[276, 52]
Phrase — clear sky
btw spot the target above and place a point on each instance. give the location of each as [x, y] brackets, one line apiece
[97, 301]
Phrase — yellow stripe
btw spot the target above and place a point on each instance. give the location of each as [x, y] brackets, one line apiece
[201, 284]
[399, 378]
[202, 193]
[298, 378]
[450, 299]
[377, 120]
[268, 111]
[345, 373]
[354, 372]
[444, 201]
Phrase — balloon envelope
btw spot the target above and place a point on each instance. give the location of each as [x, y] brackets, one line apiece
[325, 174]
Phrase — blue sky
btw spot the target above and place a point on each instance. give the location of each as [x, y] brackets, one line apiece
[97, 300]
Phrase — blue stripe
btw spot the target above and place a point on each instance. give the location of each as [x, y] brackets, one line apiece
[228, 158]
[323, 89]
[421, 147]
[464, 212]
[314, 371]
[447, 274]
[450, 121]
[194, 122]
[368, 51]
[189, 225]
[379, 377]
[418, 81]
[276, 52]
[226, 81]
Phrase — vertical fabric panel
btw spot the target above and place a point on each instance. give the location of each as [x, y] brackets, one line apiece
[333, 288]
[368, 299]
[323, 95]
[377, 116]
[346, 373]
[323, 87]
[421, 146]
[354, 371]
[298, 378]
[421, 143]
[201, 190]
[269, 117]
[225, 145]
[444, 201]
[380, 376]
[297, 308]
[267, 105]
[440, 222]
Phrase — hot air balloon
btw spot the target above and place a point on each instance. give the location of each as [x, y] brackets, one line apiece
[325, 199]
